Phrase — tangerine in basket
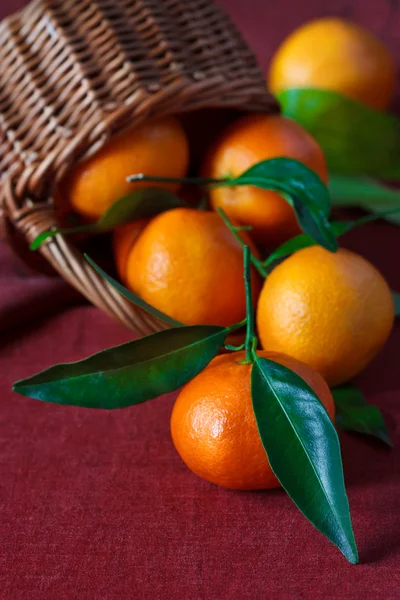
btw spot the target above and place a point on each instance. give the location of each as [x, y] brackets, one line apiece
[246, 142]
[333, 311]
[158, 147]
[333, 54]
[187, 264]
[124, 238]
[213, 425]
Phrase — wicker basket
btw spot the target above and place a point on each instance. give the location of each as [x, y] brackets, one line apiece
[75, 72]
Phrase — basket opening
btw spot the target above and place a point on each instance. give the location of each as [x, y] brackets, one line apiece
[203, 127]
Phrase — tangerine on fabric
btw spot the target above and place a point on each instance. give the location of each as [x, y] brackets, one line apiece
[333, 311]
[335, 54]
[188, 264]
[246, 142]
[213, 425]
[157, 147]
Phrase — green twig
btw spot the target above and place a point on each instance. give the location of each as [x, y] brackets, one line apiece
[235, 348]
[235, 230]
[244, 228]
[249, 305]
[377, 215]
[186, 180]
[236, 326]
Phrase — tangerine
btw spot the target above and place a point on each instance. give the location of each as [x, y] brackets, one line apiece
[333, 311]
[213, 425]
[246, 142]
[333, 54]
[187, 264]
[124, 238]
[158, 147]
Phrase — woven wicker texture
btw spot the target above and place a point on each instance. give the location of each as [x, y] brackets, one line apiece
[74, 72]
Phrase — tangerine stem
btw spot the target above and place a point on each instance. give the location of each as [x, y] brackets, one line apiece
[187, 180]
[235, 230]
[249, 305]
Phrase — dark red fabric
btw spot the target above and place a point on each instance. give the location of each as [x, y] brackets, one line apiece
[98, 505]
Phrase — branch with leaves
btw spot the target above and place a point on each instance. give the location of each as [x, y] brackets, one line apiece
[295, 429]
[300, 187]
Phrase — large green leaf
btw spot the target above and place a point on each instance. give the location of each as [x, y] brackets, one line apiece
[140, 204]
[303, 450]
[353, 413]
[133, 297]
[301, 187]
[367, 194]
[356, 139]
[131, 373]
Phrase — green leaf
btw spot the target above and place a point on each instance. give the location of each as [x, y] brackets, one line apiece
[301, 187]
[141, 204]
[367, 194]
[353, 413]
[356, 139]
[396, 300]
[133, 297]
[131, 373]
[303, 450]
[304, 241]
[301, 241]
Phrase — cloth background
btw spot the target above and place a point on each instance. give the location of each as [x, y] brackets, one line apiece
[98, 505]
